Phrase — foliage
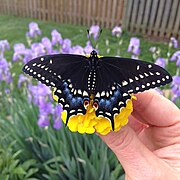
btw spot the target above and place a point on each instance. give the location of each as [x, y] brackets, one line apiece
[59, 154]
[12, 168]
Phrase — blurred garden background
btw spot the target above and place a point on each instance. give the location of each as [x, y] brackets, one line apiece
[34, 144]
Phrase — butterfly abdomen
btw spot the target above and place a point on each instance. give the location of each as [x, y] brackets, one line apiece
[93, 66]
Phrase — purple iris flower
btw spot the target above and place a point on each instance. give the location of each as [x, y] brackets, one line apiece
[153, 49]
[88, 48]
[5, 74]
[134, 46]
[45, 107]
[161, 62]
[77, 50]
[7, 90]
[3, 64]
[174, 42]
[27, 56]
[43, 90]
[117, 31]
[33, 30]
[55, 51]
[175, 88]
[57, 117]
[43, 120]
[178, 62]
[22, 79]
[33, 95]
[94, 30]
[39, 92]
[45, 110]
[4, 45]
[176, 80]
[37, 49]
[56, 37]
[18, 51]
[175, 56]
[66, 46]
[47, 44]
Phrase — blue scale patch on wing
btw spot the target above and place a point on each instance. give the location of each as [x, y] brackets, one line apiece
[111, 102]
[71, 100]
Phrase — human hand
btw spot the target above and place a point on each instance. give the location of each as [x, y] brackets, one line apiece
[148, 147]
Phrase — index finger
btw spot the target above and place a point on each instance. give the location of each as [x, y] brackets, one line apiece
[154, 109]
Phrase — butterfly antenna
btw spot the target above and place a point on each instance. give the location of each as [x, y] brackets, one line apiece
[99, 34]
[89, 37]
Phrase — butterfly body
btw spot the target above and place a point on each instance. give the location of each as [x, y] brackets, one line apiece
[108, 81]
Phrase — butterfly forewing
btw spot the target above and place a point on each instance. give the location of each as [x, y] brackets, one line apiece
[66, 73]
[136, 75]
[52, 68]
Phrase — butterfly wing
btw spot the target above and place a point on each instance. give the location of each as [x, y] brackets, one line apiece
[118, 78]
[67, 74]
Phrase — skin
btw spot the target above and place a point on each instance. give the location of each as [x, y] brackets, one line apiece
[149, 146]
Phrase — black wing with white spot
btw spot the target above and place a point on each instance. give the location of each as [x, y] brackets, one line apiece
[66, 73]
[50, 69]
[118, 78]
[133, 75]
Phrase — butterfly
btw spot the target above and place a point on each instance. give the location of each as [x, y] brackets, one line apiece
[108, 81]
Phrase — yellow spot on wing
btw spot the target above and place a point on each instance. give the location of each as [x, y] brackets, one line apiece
[90, 123]
[88, 56]
[54, 96]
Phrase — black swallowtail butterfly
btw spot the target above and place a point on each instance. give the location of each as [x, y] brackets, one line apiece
[111, 80]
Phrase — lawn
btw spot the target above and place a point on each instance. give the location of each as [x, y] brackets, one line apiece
[32, 152]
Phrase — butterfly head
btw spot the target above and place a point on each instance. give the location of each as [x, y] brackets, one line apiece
[93, 54]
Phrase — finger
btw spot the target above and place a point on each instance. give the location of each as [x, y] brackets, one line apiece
[136, 125]
[170, 155]
[131, 153]
[154, 109]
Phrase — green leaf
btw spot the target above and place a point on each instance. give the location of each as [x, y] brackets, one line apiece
[31, 162]
[17, 153]
[31, 172]
[19, 170]
[13, 164]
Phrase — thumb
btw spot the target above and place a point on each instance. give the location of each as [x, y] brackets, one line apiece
[132, 154]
